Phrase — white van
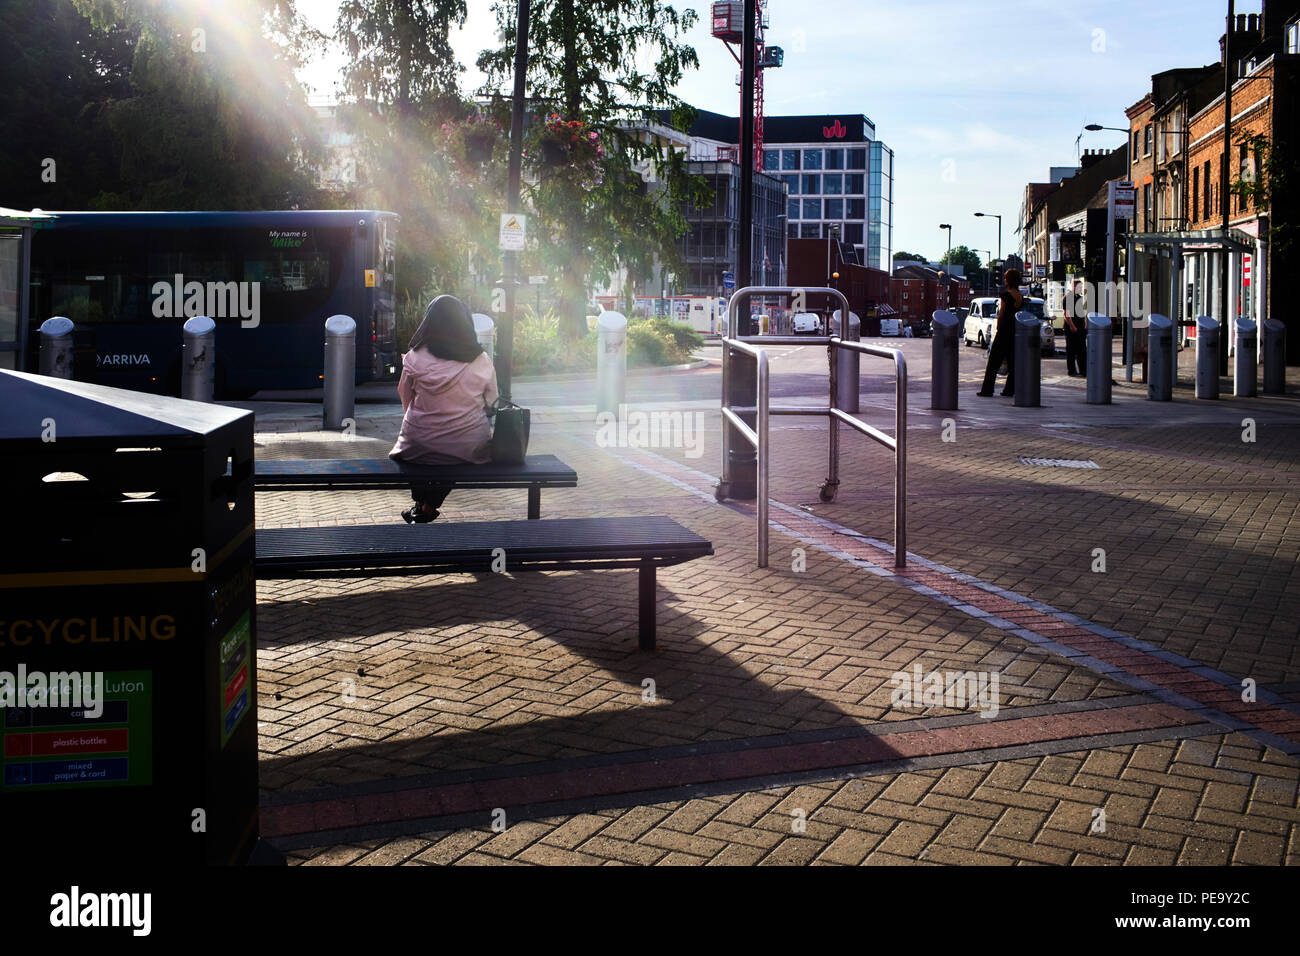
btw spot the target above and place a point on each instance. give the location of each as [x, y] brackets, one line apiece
[806, 323]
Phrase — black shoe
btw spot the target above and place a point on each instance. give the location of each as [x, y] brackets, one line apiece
[413, 516]
[984, 394]
[1008, 394]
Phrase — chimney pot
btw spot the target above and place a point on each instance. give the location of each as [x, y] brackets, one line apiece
[1241, 23]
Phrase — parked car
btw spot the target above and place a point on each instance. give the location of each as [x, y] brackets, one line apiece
[981, 323]
[806, 323]
[978, 327]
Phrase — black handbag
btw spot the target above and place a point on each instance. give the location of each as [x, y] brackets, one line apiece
[510, 435]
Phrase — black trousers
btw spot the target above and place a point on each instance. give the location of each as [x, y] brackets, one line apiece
[430, 493]
[1002, 349]
[1076, 352]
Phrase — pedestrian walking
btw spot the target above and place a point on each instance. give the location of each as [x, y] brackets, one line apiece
[1076, 331]
[1003, 347]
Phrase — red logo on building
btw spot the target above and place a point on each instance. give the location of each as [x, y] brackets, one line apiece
[838, 131]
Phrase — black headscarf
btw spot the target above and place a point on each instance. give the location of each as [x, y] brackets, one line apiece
[447, 331]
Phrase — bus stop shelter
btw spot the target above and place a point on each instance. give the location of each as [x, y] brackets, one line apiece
[15, 267]
[1185, 270]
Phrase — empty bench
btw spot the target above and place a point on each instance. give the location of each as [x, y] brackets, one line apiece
[366, 474]
[646, 544]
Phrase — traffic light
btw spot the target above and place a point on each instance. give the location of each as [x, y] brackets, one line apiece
[997, 275]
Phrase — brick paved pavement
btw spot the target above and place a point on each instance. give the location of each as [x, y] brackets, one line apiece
[398, 713]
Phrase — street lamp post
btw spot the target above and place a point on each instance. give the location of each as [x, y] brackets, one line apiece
[944, 225]
[999, 219]
[506, 330]
[1097, 128]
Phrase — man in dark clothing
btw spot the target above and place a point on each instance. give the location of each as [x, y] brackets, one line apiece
[1076, 331]
[1004, 338]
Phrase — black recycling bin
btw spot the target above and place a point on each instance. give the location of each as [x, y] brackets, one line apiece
[127, 623]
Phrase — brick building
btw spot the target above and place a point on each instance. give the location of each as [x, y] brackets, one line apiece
[1265, 54]
[814, 262]
[917, 292]
[1142, 159]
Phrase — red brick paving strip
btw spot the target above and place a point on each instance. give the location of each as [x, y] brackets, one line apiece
[648, 775]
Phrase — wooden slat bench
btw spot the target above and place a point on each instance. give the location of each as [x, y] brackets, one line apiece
[365, 474]
[644, 543]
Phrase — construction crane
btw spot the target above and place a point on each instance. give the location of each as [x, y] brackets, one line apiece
[729, 27]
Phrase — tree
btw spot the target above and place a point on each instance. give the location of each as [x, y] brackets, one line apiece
[55, 68]
[910, 257]
[611, 65]
[962, 256]
[401, 83]
[200, 108]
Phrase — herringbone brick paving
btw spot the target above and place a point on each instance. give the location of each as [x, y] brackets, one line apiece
[382, 679]
[1212, 800]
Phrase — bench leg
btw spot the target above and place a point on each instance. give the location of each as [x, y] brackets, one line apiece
[534, 501]
[646, 605]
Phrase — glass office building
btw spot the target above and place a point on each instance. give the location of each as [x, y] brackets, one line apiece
[835, 171]
[837, 174]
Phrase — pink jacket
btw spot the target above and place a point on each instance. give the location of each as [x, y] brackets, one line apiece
[445, 404]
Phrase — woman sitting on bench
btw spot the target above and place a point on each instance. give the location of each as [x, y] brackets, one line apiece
[447, 385]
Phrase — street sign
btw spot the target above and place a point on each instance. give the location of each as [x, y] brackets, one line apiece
[728, 280]
[1124, 200]
[537, 280]
[513, 232]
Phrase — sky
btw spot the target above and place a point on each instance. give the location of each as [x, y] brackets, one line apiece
[975, 99]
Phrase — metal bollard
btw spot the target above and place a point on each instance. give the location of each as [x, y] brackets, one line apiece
[848, 367]
[1207, 357]
[1245, 369]
[340, 371]
[1274, 358]
[1098, 358]
[1160, 359]
[198, 358]
[486, 331]
[1029, 360]
[943, 361]
[611, 362]
[56, 347]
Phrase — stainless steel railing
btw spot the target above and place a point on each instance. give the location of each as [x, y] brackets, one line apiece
[758, 437]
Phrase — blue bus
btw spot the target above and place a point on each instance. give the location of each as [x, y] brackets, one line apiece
[129, 280]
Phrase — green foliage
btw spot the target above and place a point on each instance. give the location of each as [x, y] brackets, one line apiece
[963, 256]
[401, 80]
[148, 105]
[682, 338]
[206, 112]
[613, 65]
[541, 346]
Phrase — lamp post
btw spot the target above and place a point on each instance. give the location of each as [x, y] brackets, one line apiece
[506, 330]
[1097, 128]
[944, 225]
[999, 219]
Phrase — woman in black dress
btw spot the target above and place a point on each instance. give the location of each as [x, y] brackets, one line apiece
[1005, 336]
